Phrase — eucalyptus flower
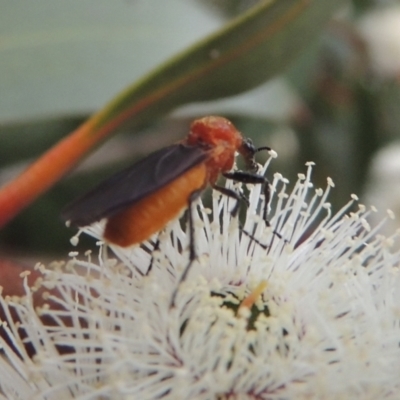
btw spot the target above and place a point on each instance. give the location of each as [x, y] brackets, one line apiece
[308, 308]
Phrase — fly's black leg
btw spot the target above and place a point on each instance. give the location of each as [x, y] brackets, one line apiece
[155, 248]
[232, 194]
[192, 247]
[255, 179]
[238, 197]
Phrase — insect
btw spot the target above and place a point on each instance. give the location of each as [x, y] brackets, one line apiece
[141, 199]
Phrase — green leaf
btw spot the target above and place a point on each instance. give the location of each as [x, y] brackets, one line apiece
[249, 50]
[63, 58]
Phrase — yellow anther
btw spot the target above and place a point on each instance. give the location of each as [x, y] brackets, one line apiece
[249, 301]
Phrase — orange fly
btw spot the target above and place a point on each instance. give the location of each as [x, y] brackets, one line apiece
[140, 200]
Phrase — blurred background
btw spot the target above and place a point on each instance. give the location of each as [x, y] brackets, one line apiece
[336, 104]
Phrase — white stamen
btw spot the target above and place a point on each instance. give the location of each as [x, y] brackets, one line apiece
[327, 324]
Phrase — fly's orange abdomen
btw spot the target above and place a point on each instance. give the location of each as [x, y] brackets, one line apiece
[149, 215]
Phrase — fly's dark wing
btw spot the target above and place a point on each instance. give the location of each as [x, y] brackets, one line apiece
[133, 183]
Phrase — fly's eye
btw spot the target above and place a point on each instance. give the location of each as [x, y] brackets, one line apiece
[248, 146]
[248, 151]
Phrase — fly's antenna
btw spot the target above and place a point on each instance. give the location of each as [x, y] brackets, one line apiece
[263, 148]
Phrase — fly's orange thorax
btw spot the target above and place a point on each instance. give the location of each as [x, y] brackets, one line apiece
[220, 138]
